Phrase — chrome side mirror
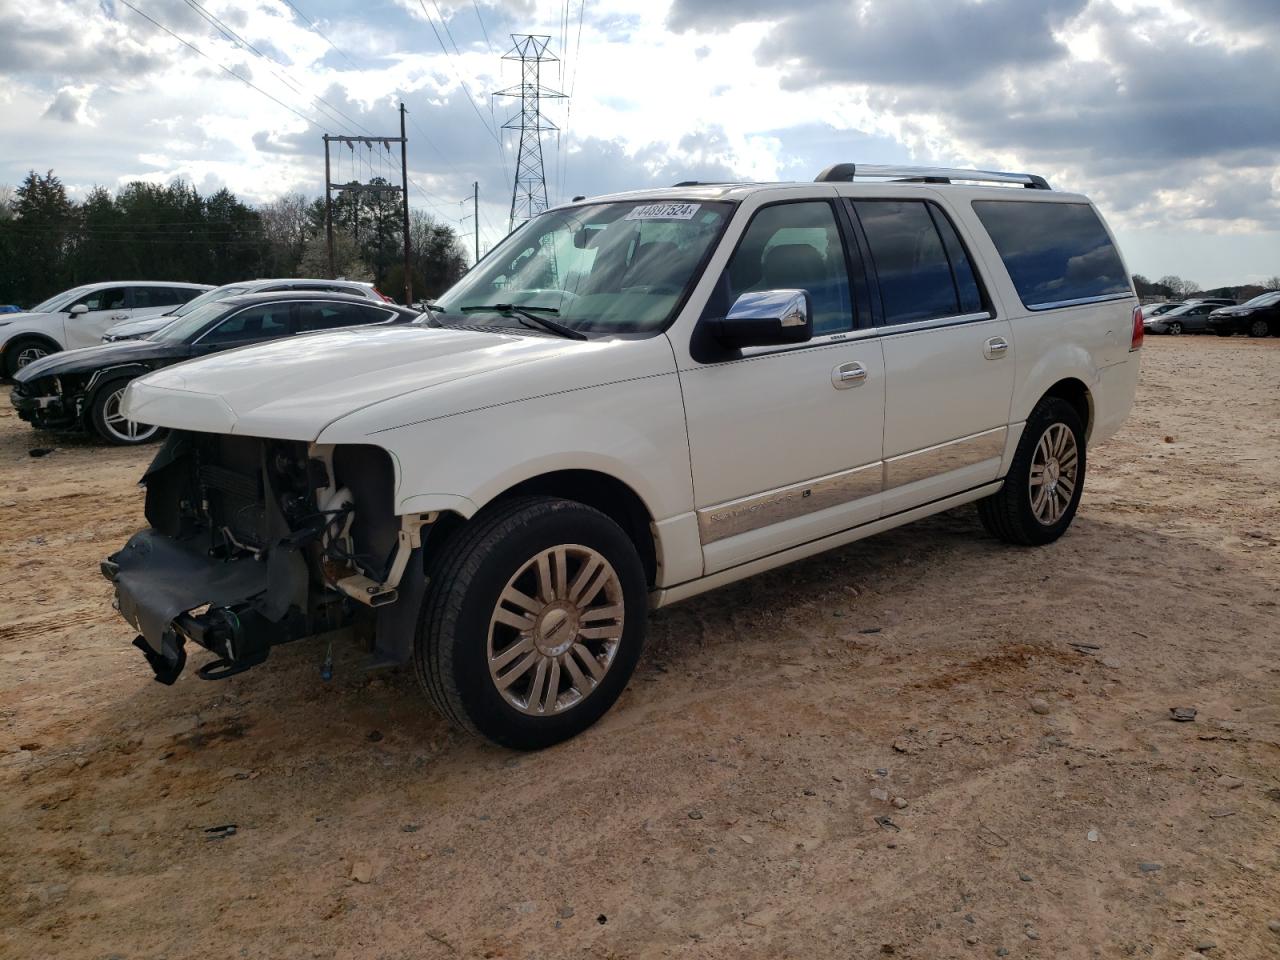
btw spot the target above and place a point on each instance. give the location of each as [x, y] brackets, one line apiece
[766, 318]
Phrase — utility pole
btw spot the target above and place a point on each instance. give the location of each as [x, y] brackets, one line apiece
[404, 197]
[356, 187]
[328, 210]
[475, 212]
[529, 191]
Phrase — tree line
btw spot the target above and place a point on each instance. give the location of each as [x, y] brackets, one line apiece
[1172, 287]
[146, 231]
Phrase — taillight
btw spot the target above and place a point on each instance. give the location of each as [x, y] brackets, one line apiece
[1136, 342]
[385, 298]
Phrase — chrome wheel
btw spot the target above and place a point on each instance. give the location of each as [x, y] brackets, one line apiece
[1054, 469]
[1175, 328]
[556, 630]
[30, 354]
[119, 426]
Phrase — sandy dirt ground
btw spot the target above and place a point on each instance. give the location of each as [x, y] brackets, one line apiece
[925, 745]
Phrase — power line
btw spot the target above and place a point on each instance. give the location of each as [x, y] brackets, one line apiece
[320, 33]
[227, 70]
[573, 85]
[482, 27]
[470, 99]
[240, 41]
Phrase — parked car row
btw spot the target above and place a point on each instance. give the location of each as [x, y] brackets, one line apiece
[82, 388]
[1259, 317]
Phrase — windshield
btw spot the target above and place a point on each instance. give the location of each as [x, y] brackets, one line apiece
[187, 326]
[212, 296]
[57, 302]
[1263, 299]
[597, 268]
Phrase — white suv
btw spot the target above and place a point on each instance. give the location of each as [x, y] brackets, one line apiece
[631, 400]
[78, 317]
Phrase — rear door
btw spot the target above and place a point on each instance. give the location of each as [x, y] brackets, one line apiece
[949, 365]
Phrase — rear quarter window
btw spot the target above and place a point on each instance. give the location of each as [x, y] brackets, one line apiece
[1056, 253]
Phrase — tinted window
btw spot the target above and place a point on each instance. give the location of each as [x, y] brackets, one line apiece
[327, 316]
[255, 323]
[796, 246]
[1055, 252]
[910, 261]
[967, 290]
[146, 297]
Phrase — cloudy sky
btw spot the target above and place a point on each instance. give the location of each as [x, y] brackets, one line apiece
[1165, 111]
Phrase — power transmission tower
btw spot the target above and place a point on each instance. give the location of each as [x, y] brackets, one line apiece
[378, 189]
[529, 192]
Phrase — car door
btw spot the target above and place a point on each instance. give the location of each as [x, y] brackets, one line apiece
[1197, 318]
[102, 309]
[785, 442]
[948, 358]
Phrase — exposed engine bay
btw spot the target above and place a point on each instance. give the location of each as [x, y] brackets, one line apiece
[258, 542]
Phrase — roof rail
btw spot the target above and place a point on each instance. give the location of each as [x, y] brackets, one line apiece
[845, 172]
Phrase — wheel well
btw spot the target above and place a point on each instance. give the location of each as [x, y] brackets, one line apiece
[1077, 394]
[600, 491]
[42, 338]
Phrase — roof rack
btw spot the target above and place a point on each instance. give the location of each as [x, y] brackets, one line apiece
[845, 172]
[703, 183]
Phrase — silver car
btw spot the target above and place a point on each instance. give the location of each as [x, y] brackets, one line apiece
[136, 329]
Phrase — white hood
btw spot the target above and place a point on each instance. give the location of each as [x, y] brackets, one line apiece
[293, 388]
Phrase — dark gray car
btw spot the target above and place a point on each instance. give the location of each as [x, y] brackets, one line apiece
[1188, 318]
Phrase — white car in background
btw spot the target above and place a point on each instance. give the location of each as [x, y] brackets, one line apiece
[78, 317]
[135, 329]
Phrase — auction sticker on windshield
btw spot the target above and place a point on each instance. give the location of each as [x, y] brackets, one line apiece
[664, 211]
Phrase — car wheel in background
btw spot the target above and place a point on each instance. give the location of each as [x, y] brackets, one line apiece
[1175, 327]
[533, 622]
[23, 351]
[1259, 328]
[111, 424]
[1042, 489]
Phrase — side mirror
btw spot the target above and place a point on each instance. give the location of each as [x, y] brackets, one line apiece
[766, 318]
[78, 309]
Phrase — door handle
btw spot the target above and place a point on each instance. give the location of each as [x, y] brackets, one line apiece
[995, 348]
[848, 375]
[119, 316]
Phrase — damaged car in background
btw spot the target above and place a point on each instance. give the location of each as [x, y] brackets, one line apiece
[82, 389]
[631, 400]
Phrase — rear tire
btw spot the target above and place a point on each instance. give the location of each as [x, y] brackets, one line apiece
[110, 424]
[533, 622]
[1042, 490]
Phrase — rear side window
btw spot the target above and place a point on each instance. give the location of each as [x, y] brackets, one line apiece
[146, 297]
[922, 267]
[1056, 253]
[328, 316]
[254, 323]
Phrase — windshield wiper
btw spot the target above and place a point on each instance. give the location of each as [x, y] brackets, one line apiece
[523, 313]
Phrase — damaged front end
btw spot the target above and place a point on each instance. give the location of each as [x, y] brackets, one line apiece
[257, 542]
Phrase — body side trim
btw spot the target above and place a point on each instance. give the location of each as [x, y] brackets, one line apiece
[944, 457]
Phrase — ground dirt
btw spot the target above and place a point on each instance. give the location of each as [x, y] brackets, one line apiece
[738, 800]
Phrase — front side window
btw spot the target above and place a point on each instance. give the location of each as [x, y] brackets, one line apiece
[112, 299]
[920, 276]
[620, 267]
[1056, 253]
[792, 246]
[255, 323]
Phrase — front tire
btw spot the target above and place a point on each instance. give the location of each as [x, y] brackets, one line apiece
[1259, 328]
[1175, 327]
[1042, 490]
[111, 424]
[533, 622]
[24, 351]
